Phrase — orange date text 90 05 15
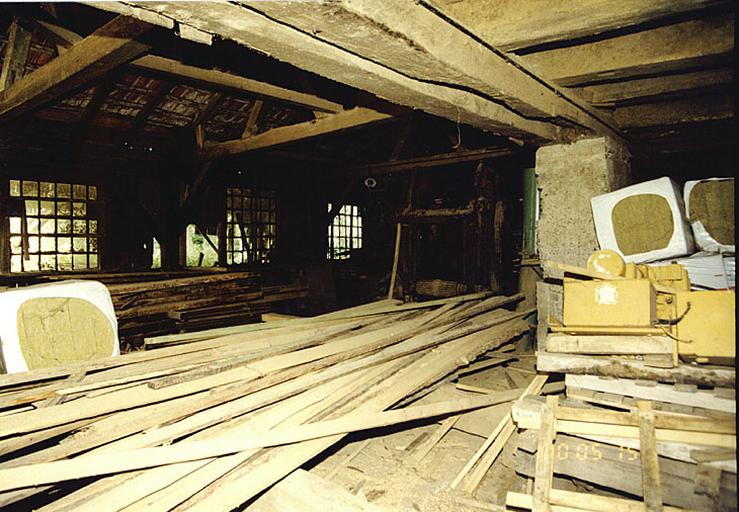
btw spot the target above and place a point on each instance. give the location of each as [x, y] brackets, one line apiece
[589, 450]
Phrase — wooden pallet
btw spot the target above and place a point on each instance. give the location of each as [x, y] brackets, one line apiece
[643, 425]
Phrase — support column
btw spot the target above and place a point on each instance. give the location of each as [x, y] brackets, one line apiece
[568, 175]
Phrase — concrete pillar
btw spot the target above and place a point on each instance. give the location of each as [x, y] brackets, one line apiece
[568, 175]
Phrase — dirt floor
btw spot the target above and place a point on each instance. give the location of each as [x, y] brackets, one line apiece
[383, 469]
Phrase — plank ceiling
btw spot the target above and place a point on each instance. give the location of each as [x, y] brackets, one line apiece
[657, 74]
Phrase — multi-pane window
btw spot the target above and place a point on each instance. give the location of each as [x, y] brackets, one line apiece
[345, 232]
[251, 225]
[52, 226]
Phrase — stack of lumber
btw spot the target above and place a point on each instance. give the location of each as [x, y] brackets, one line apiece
[194, 303]
[641, 456]
[162, 302]
[209, 424]
[638, 427]
[28, 278]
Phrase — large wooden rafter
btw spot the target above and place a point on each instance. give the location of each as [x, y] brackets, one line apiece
[210, 78]
[653, 88]
[511, 24]
[304, 49]
[418, 42]
[683, 46]
[335, 123]
[108, 47]
[16, 53]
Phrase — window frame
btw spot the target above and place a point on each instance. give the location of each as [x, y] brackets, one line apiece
[54, 202]
[351, 218]
[258, 215]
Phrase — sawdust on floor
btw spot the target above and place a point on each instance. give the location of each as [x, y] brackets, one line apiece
[385, 473]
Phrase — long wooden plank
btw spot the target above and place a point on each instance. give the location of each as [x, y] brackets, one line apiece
[354, 118]
[693, 397]
[568, 501]
[544, 471]
[396, 257]
[685, 45]
[526, 417]
[428, 444]
[108, 47]
[114, 462]
[513, 25]
[645, 89]
[529, 412]
[229, 81]
[584, 344]
[624, 368]
[652, 489]
[431, 367]
[534, 387]
[668, 113]
[410, 164]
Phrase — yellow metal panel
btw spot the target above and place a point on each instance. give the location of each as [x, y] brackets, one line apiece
[708, 329]
[673, 275]
[618, 303]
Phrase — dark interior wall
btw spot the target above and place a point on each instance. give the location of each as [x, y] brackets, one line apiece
[140, 191]
[482, 253]
[720, 161]
[128, 184]
[301, 196]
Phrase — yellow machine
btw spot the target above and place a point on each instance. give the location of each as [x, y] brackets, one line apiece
[650, 300]
[706, 330]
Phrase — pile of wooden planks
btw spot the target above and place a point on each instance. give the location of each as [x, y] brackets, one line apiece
[194, 303]
[209, 424]
[160, 302]
[638, 428]
[668, 460]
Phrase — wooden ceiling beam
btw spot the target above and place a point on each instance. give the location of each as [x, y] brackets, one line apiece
[215, 100]
[245, 24]
[83, 125]
[683, 46]
[251, 123]
[151, 104]
[211, 78]
[16, 55]
[428, 161]
[649, 89]
[108, 47]
[336, 123]
[408, 37]
[219, 79]
[511, 24]
[691, 110]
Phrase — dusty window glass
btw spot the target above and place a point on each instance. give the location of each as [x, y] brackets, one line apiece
[345, 232]
[251, 225]
[52, 226]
